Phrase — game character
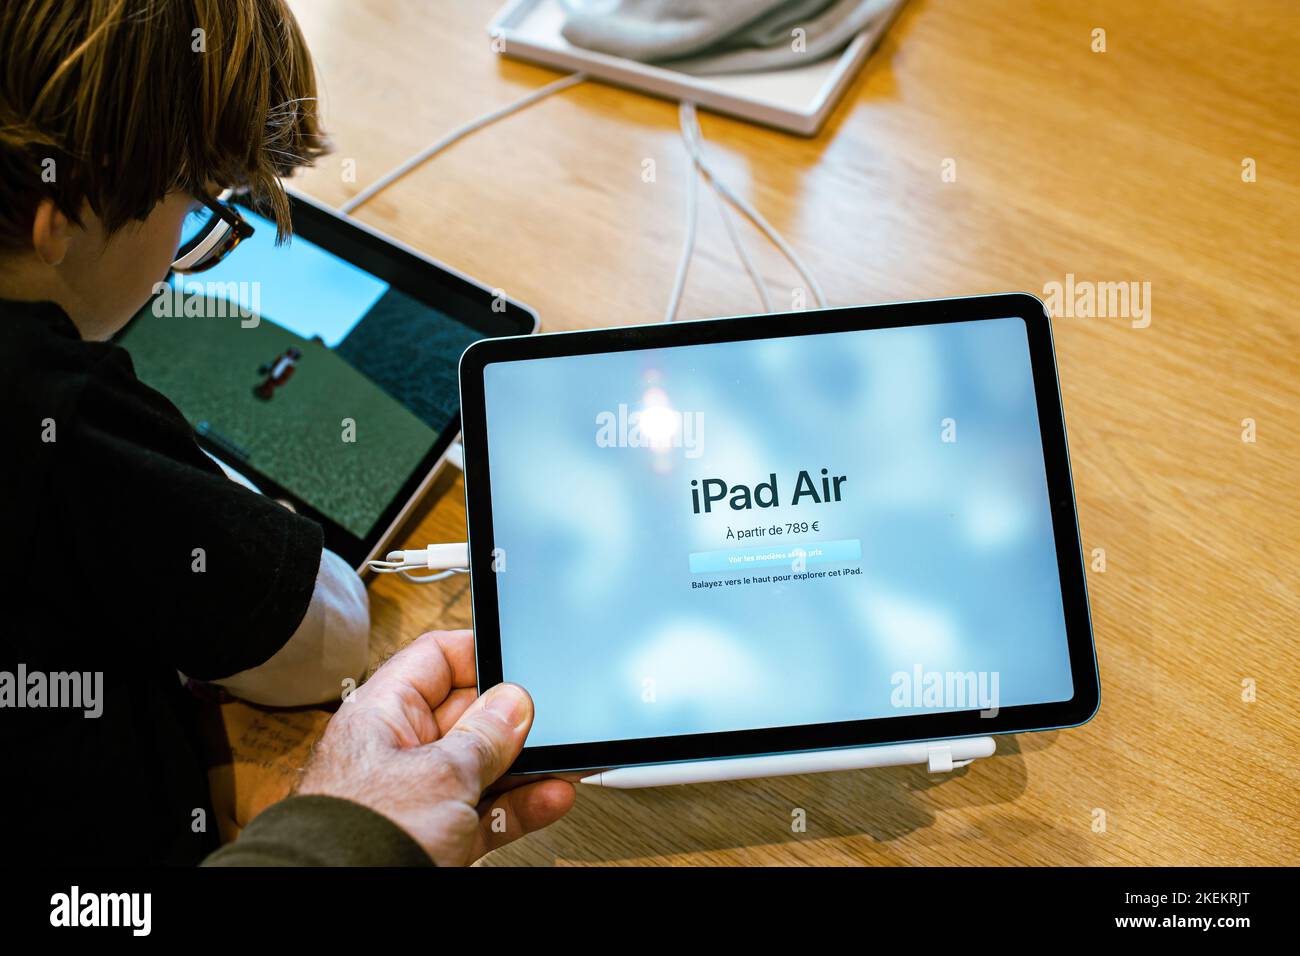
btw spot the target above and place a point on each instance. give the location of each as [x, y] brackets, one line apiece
[276, 373]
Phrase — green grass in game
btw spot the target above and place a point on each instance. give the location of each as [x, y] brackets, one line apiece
[208, 366]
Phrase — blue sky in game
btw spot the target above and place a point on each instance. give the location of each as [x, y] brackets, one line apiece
[302, 287]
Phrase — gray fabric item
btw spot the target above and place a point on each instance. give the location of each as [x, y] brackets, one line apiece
[702, 38]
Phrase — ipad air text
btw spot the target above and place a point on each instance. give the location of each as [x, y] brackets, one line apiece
[765, 494]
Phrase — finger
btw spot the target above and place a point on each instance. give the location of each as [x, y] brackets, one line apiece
[423, 666]
[514, 781]
[521, 811]
[458, 648]
[451, 709]
[483, 744]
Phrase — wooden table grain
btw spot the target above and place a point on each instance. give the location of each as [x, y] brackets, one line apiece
[987, 146]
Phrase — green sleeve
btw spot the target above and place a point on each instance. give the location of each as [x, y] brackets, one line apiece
[321, 831]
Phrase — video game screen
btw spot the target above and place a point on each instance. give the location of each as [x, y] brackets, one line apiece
[305, 372]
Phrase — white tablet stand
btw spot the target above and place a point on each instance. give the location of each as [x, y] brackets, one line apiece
[940, 755]
[796, 99]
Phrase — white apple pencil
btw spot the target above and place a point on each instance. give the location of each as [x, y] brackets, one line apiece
[941, 755]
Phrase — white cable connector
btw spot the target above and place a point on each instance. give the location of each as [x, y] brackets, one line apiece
[446, 559]
[435, 556]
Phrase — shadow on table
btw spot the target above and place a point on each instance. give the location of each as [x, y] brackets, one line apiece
[880, 805]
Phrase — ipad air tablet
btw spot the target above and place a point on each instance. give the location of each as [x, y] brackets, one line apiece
[323, 370]
[786, 532]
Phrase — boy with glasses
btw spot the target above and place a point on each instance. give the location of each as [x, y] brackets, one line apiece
[128, 554]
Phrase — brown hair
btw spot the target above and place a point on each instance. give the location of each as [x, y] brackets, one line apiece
[115, 103]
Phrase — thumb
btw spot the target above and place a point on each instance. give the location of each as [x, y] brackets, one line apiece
[489, 735]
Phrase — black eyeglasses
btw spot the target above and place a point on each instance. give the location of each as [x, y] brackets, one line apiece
[208, 234]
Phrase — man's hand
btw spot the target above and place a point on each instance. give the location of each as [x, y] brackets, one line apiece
[414, 744]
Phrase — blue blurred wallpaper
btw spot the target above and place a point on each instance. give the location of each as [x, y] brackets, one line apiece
[776, 532]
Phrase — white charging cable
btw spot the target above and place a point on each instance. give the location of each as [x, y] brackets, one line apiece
[688, 245]
[444, 559]
[455, 136]
[692, 136]
[729, 221]
[694, 139]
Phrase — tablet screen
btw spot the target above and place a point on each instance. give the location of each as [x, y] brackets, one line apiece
[311, 375]
[774, 532]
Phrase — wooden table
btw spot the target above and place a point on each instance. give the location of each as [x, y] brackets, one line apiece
[1123, 165]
